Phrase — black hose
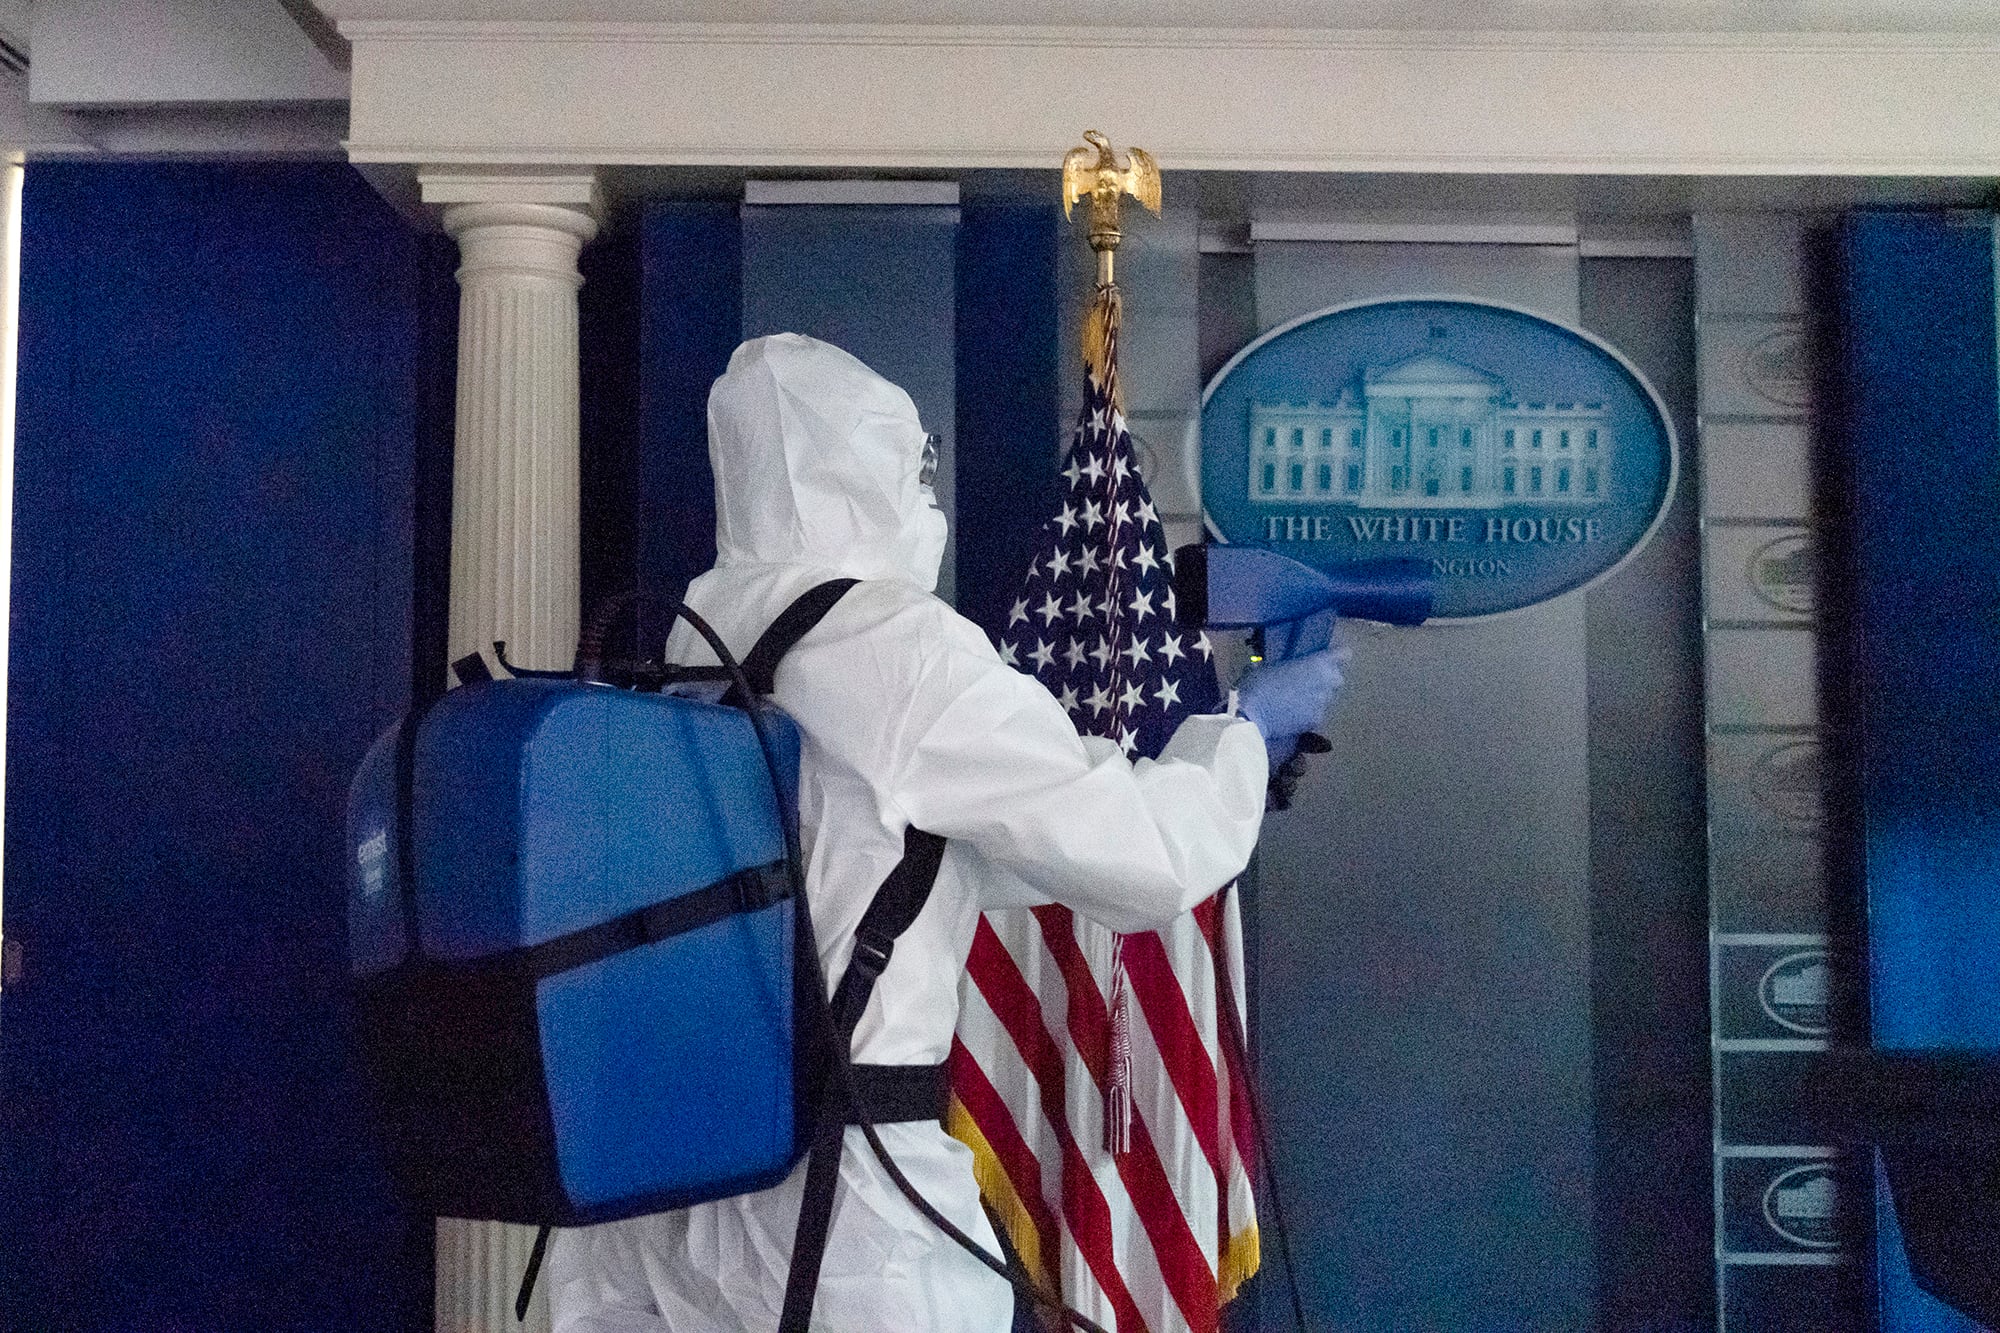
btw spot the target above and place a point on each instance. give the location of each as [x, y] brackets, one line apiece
[1231, 1025]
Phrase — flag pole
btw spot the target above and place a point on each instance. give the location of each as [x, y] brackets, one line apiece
[1097, 626]
[1092, 171]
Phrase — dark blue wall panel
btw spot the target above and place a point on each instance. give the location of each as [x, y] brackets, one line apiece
[608, 317]
[1922, 362]
[212, 617]
[1902, 1306]
[435, 401]
[1010, 430]
[1009, 427]
[690, 320]
[1925, 434]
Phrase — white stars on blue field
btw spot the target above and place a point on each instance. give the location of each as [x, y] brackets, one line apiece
[1095, 620]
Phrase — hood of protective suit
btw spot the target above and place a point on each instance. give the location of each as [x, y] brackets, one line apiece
[816, 461]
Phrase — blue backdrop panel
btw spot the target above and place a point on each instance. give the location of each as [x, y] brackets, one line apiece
[1003, 396]
[1009, 438]
[212, 618]
[1925, 432]
[690, 319]
[609, 310]
[876, 281]
[1923, 422]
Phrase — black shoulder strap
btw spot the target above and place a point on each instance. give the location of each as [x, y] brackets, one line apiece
[793, 623]
[527, 1291]
[895, 905]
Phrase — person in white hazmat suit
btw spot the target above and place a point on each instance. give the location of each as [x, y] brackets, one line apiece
[908, 717]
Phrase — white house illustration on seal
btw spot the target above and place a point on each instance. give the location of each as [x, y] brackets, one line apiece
[1429, 432]
[1811, 1201]
[1803, 989]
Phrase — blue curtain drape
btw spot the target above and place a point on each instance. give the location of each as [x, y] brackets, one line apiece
[1921, 356]
[225, 559]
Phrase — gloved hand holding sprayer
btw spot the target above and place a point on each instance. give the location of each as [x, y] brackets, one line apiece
[1288, 699]
[1290, 610]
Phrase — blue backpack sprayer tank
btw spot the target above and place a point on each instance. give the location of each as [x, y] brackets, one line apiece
[588, 983]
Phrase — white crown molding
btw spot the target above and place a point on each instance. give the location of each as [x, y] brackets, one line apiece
[1417, 232]
[456, 185]
[1976, 16]
[1084, 41]
[918, 96]
[847, 193]
[815, 156]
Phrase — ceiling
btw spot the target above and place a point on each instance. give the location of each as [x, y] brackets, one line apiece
[1701, 16]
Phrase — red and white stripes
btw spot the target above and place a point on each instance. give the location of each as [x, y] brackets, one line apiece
[1153, 1239]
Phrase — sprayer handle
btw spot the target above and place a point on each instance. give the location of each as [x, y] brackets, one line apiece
[1299, 638]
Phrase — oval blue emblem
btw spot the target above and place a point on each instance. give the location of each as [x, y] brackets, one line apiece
[1802, 1204]
[1523, 458]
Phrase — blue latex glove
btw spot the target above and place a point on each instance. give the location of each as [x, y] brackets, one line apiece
[1286, 699]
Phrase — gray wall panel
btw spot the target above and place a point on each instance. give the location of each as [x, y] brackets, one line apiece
[1762, 384]
[1424, 926]
[1649, 895]
[1756, 469]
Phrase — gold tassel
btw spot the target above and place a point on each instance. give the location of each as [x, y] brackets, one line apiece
[1238, 1261]
[1118, 1057]
[1100, 340]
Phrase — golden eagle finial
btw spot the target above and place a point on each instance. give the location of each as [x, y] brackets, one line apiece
[1093, 171]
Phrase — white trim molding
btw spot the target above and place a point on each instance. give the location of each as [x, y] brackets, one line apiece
[1653, 238]
[844, 193]
[1418, 232]
[912, 96]
[457, 185]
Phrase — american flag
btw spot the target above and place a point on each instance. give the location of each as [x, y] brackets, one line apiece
[1092, 1078]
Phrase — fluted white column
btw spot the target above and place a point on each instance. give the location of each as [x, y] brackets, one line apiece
[514, 535]
[514, 514]
[479, 1267]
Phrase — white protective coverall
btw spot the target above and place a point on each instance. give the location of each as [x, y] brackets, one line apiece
[908, 716]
